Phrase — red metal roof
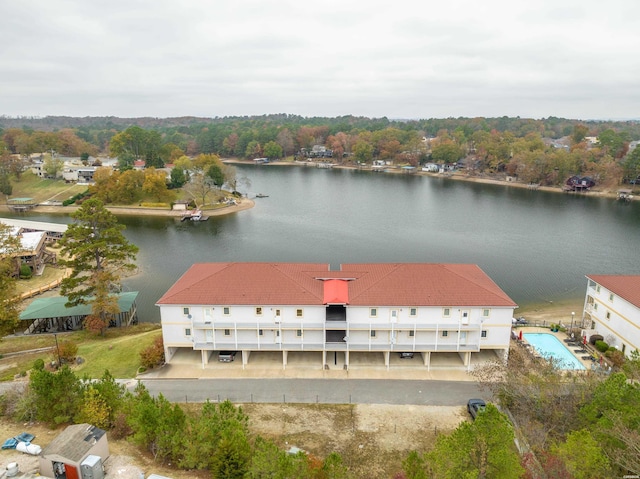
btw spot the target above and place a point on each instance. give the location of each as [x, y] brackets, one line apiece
[400, 284]
[336, 291]
[625, 286]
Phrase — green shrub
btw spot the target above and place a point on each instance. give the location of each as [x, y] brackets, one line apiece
[68, 351]
[38, 364]
[601, 346]
[75, 198]
[25, 271]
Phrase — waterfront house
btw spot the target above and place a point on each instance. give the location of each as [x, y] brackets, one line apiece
[359, 313]
[612, 310]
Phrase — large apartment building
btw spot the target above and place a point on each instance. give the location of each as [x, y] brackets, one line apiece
[612, 310]
[336, 316]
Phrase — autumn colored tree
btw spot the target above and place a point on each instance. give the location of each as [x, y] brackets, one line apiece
[230, 143]
[253, 150]
[128, 188]
[97, 253]
[93, 409]
[155, 185]
[285, 140]
[153, 355]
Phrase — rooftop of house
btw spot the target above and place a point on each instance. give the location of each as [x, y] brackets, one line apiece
[625, 286]
[382, 284]
[74, 442]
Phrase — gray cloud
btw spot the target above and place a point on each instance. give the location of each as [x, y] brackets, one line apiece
[397, 59]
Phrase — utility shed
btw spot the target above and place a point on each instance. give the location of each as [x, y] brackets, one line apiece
[63, 456]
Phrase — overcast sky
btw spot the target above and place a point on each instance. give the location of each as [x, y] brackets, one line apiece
[395, 58]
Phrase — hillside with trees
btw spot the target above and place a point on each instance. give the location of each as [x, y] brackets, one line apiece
[545, 151]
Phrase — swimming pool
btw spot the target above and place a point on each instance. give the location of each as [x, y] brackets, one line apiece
[548, 345]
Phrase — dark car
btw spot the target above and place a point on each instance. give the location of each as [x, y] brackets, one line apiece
[406, 355]
[226, 356]
[476, 406]
[521, 321]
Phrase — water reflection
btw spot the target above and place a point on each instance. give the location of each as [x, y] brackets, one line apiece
[537, 246]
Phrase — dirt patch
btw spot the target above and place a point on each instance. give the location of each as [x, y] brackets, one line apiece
[372, 439]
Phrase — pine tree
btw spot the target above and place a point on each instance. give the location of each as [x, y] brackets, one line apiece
[97, 254]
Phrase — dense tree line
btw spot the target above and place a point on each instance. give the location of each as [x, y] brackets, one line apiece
[568, 426]
[213, 437]
[521, 148]
[517, 147]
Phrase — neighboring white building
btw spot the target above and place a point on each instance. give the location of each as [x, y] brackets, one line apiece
[360, 312]
[612, 310]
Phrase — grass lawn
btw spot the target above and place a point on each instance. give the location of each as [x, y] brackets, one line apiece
[118, 351]
[31, 186]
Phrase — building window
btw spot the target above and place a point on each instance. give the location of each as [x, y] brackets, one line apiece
[598, 288]
[260, 333]
[226, 310]
[373, 312]
[445, 334]
[483, 334]
[227, 332]
[608, 314]
[446, 312]
[413, 312]
[258, 310]
[373, 333]
[412, 334]
[485, 313]
[595, 306]
[298, 313]
[299, 333]
[185, 311]
[187, 332]
[610, 296]
[277, 313]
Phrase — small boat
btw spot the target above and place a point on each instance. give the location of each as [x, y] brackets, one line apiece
[625, 195]
[194, 215]
[260, 195]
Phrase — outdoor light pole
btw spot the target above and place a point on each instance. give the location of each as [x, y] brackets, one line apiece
[573, 315]
[57, 348]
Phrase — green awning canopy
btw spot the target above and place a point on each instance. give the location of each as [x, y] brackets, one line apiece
[54, 307]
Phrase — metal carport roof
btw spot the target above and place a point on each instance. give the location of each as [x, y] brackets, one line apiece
[55, 307]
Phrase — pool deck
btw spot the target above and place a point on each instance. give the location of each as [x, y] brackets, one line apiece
[588, 364]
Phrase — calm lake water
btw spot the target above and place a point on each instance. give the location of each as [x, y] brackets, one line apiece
[536, 246]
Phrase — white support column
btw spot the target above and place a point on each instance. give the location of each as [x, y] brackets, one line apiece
[346, 359]
[204, 357]
[427, 359]
[284, 359]
[245, 358]
[387, 355]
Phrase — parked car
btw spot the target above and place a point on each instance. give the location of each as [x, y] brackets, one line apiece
[406, 355]
[226, 356]
[476, 406]
[521, 321]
